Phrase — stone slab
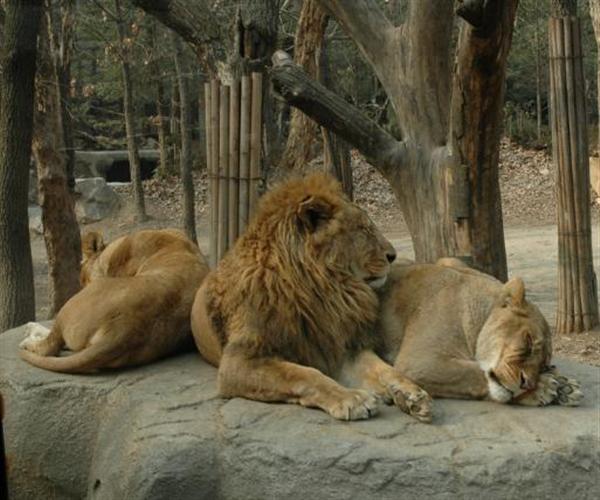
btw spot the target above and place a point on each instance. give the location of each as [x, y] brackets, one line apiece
[162, 432]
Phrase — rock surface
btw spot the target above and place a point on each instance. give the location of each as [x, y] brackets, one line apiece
[161, 432]
[96, 200]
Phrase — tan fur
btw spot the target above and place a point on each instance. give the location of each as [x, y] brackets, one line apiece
[460, 333]
[290, 310]
[134, 308]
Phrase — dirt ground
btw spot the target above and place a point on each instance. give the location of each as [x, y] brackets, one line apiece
[526, 181]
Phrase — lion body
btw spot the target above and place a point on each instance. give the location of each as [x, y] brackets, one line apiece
[133, 309]
[291, 306]
[460, 333]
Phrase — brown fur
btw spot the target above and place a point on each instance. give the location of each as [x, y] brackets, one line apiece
[134, 308]
[289, 309]
[460, 333]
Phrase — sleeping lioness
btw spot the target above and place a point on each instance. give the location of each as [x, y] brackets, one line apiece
[134, 307]
[459, 333]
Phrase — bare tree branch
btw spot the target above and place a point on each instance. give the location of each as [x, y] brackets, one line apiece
[332, 112]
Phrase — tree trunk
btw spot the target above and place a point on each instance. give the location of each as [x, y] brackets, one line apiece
[187, 181]
[62, 21]
[577, 309]
[302, 141]
[538, 77]
[174, 125]
[595, 15]
[162, 107]
[444, 171]
[128, 111]
[61, 231]
[18, 62]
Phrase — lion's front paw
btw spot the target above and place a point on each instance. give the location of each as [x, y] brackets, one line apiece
[569, 391]
[545, 393]
[354, 405]
[414, 401]
[36, 334]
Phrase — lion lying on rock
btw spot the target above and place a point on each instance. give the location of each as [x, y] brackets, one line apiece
[134, 307]
[459, 333]
[289, 311]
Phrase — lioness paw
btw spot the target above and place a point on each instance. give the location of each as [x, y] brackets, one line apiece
[545, 393]
[569, 391]
[354, 405]
[416, 402]
[36, 333]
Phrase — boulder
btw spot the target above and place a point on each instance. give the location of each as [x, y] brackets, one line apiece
[162, 432]
[96, 200]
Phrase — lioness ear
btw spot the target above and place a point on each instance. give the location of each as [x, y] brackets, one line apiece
[514, 291]
[91, 244]
[313, 212]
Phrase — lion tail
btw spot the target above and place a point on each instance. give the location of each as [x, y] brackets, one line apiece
[87, 360]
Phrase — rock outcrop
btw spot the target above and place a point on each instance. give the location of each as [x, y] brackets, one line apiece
[162, 432]
[96, 200]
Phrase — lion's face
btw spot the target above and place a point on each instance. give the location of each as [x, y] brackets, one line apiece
[514, 346]
[342, 236]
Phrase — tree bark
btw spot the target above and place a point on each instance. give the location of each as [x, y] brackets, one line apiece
[18, 62]
[185, 159]
[128, 111]
[303, 132]
[61, 231]
[450, 209]
[595, 15]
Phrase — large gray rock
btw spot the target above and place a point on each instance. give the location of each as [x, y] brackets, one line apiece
[161, 432]
[96, 200]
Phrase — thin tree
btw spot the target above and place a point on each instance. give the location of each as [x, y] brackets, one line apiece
[18, 62]
[595, 15]
[61, 231]
[444, 168]
[577, 290]
[128, 110]
[185, 157]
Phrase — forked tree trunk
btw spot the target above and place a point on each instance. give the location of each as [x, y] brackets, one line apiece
[302, 141]
[18, 61]
[577, 309]
[444, 171]
[185, 159]
[135, 171]
[61, 231]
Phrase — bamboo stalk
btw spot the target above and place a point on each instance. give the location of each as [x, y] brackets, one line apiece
[234, 161]
[223, 171]
[214, 173]
[245, 110]
[255, 140]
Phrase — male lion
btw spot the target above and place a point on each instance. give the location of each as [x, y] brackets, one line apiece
[291, 308]
[134, 307]
[460, 333]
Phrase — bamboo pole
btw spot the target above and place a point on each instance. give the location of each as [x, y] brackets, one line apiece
[214, 173]
[223, 171]
[234, 160]
[255, 140]
[245, 110]
[577, 296]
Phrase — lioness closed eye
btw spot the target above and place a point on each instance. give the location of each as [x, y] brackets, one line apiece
[460, 333]
[290, 309]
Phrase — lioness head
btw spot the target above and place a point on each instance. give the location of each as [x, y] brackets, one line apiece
[92, 245]
[323, 229]
[514, 346]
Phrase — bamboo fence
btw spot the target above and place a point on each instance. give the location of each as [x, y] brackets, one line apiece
[577, 289]
[233, 144]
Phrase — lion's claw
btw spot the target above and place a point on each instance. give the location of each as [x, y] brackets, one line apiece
[355, 405]
[415, 402]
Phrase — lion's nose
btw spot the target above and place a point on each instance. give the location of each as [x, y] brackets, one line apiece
[390, 255]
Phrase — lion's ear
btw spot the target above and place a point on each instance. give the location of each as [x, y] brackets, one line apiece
[92, 243]
[313, 212]
[514, 291]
